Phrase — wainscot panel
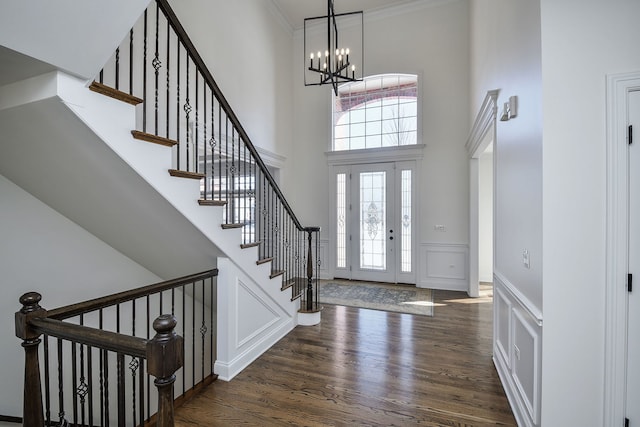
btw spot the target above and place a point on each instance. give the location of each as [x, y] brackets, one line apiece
[517, 350]
[443, 266]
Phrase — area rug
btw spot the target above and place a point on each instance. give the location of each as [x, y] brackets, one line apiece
[397, 298]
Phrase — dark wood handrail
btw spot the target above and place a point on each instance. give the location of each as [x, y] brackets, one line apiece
[208, 77]
[112, 341]
[111, 300]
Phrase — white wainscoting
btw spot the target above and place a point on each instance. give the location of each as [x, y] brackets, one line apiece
[324, 269]
[517, 352]
[443, 266]
[251, 318]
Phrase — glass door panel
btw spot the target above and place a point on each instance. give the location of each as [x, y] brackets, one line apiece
[373, 217]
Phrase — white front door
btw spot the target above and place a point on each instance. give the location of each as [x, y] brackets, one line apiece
[374, 222]
[633, 319]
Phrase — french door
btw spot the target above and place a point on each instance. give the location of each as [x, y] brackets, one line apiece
[374, 222]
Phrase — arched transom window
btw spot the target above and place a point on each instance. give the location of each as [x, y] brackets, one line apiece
[380, 111]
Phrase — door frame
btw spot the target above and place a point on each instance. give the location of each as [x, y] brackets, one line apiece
[482, 134]
[336, 159]
[616, 296]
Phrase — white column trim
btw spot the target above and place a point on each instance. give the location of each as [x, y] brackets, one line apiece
[484, 120]
[476, 143]
[618, 88]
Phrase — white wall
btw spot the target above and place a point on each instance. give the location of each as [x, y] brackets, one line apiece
[248, 51]
[506, 55]
[41, 250]
[505, 39]
[582, 43]
[55, 32]
[424, 40]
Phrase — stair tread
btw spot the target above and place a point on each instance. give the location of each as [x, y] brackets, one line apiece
[186, 174]
[226, 226]
[264, 260]
[149, 137]
[114, 93]
[276, 273]
[208, 202]
[249, 245]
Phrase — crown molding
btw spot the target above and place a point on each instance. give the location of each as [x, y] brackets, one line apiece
[384, 12]
[276, 12]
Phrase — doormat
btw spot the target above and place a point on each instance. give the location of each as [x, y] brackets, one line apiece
[377, 296]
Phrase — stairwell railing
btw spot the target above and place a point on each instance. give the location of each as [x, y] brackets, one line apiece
[98, 356]
[182, 106]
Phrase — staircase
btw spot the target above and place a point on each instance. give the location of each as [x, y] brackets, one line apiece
[151, 159]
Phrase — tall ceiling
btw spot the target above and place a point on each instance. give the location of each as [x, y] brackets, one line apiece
[294, 11]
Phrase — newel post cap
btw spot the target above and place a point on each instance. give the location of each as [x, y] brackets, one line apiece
[30, 310]
[165, 352]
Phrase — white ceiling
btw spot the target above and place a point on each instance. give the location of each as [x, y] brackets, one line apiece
[294, 11]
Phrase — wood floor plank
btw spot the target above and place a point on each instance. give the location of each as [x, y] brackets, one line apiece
[367, 367]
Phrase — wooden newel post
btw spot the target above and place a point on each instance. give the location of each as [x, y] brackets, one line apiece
[165, 355]
[32, 399]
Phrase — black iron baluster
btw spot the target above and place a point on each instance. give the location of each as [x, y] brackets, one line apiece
[144, 74]
[228, 172]
[220, 153]
[264, 212]
[90, 382]
[232, 198]
[178, 104]
[184, 326]
[141, 391]
[121, 389]
[47, 389]
[61, 418]
[193, 334]
[147, 322]
[213, 144]
[211, 326]
[204, 145]
[196, 166]
[187, 110]
[245, 192]
[101, 362]
[130, 63]
[156, 63]
[173, 301]
[118, 318]
[161, 304]
[168, 78]
[101, 80]
[133, 367]
[317, 274]
[77, 386]
[117, 68]
[105, 363]
[203, 330]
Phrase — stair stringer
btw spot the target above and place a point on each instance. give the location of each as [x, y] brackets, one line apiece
[113, 121]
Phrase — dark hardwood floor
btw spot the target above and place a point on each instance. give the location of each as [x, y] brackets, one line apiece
[365, 367]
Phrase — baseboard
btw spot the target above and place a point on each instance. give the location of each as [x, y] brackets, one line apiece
[509, 386]
[227, 370]
[9, 419]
